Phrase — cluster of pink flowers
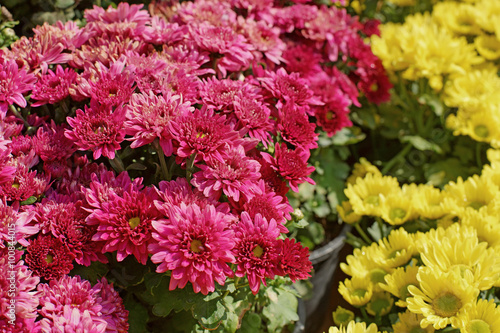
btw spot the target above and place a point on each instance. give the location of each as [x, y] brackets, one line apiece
[229, 92]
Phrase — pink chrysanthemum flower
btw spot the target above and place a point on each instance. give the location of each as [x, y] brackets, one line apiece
[7, 171]
[187, 57]
[148, 118]
[113, 311]
[302, 58]
[220, 94]
[291, 165]
[68, 33]
[17, 283]
[295, 127]
[270, 206]
[253, 116]
[72, 320]
[24, 185]
[51, 145]
[195, 244]
[49, 258]
[203, 133]
[53, 87]
[216, 13]
[19, 222]
[122, 13]
[290, 88]
[293, 17]
[98, 129]
[124, 223]
[161, 32]
[231, 172]
[255, 249]
[14, 82]
[234, 48]
[149, 72]
[273, 181]
[293, 260]
[264, 38]
[57, 296]
[79, 176]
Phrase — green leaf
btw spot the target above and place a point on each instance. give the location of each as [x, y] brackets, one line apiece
[434, 102]
[421, 143]
[348, 136]
[251, 323]
[209, 311]
[137, 166]
[29, 201]
[447, 170]
[92, 273]
[137, 316]
[64, 3]
[172, 300]
[282, 309]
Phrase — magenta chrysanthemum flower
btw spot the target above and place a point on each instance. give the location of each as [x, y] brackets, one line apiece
[49, 258]
[20, 223]
[17, 283]
[122, 13]
[148, 118]
[293, 260]
[14, 82]
[231, 172]
[255, 249]
[270, 206]
[7, 171]
[72, 320]
[302, 58]
[114, 86]
[295, 127]
[273, 181]
[98, 129]
[24, 185]
[291, 165]
[264, 38]
[149, 72]
[195, 244]
[113, 311]
[161, 32]
[220, 94]
[51, 145]
[217, 13]
[253, 116]
[53, 87]
[59, 298]
[203, 133]
[219, 40]
[124, 223]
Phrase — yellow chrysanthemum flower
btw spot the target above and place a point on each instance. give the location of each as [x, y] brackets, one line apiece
[473, 89]
[491, 173]
[493, 156]
[394, 250]
[488, 46]
[398, 282]
[427, 202]
[486, 226]
[346, 213]
[410, 323]
[455, 231]
[367, 194]
[361, 169]
[474, 194]
[478, 317]
[481, 126]
[463, 255]
[488, 13]
[397, 209]
[380, 304]
[354, 327]
[356, 291]
[342, 316]
[457, 17]
[441, 297]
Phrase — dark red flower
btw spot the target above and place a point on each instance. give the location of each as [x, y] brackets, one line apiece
[49, 257]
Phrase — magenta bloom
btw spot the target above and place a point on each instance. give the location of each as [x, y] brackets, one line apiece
[231, 172]
[295, 127]
[49, 258]
[291, 165]
[53, 87]
[124, 223]
[195, 244]
[97, 129]
[113, 311]
[24, 185]
[14, 82]
[148, 118]
[293, 260]
[220, 94]
[255, 249]
[19, 222]
[115, 85]
[203, 133]
[303, 59]
[72, 320]
[264, 38]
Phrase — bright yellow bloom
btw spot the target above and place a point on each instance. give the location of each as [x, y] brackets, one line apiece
[410, 323]
[486, 227]
[427, 202]
[397, 209]
[493, 155]
[346, 213]
[488, 13]
[481, 126]
[457, 17]
[367, 194]
[361, 169]
[478, 317]
[354, 327]
[398, 282]
[441, 297]
[356, 291]
[394, 250]
[488, 46]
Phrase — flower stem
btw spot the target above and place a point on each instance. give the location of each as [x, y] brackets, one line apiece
[161, 156]
[363, 234]
[189, 167]
[18, 115]
[396, 158]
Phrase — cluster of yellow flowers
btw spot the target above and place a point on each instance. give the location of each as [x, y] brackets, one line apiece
[443, 277]
[456, 48]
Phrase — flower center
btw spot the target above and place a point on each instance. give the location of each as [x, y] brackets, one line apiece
[15, 185]
[397, 213]
[359, 292]
[258, 251]
[196, 246]
[377, 275]
[478, 326]
[404, 293]
[372, 200]
[446, 305]
[329, 115]
[481, 131]
[134, 222]
[49, 259]
[476, 205]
